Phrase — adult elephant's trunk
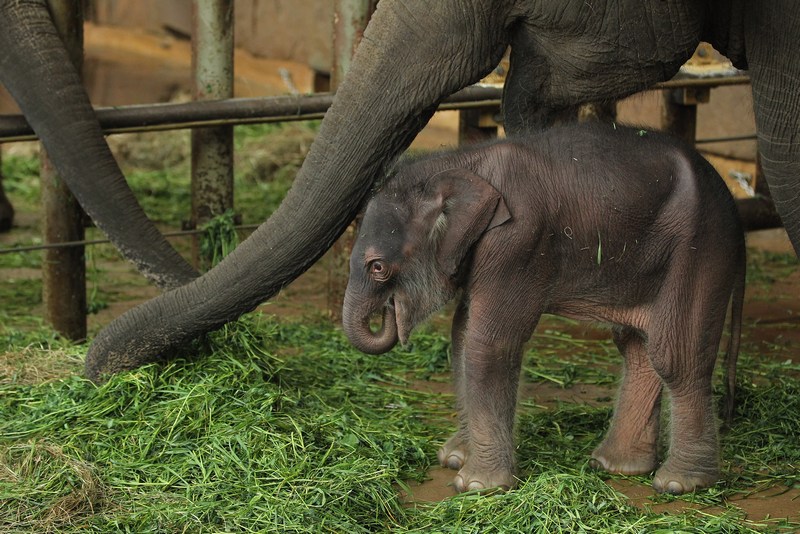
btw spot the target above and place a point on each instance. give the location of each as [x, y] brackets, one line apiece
[36, 70]
[356, 325]
[386, 98]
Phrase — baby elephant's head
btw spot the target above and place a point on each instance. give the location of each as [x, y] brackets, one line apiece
[415, 234]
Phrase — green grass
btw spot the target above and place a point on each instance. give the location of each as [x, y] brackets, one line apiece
[267, 159]
[21, 180]
[21, 184]
[157, 167]
[270, 426]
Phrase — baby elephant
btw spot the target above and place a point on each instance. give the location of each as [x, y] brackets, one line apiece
[591, 222]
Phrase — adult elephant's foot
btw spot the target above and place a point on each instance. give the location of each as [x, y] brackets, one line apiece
[623, 461]
[670, 479]
[473, 478]
[453, 454]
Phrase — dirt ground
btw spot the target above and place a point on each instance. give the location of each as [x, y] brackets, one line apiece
[771, 319]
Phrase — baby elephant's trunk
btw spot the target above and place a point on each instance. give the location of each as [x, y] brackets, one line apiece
[356, 323]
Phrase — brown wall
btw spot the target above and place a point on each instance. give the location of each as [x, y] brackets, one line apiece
[729, 112]
[294, 30]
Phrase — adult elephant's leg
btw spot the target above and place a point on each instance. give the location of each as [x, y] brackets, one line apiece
[36, 70]
[569, 53]
[413, 54]
[772, 34]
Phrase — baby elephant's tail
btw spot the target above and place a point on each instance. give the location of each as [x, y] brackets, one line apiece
[729, 371]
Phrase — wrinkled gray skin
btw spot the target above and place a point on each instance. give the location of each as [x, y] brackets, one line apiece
[414, 53]
[587, 222]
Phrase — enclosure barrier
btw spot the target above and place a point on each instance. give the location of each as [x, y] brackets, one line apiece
[212, 146]
[64, 269]
[236, 111]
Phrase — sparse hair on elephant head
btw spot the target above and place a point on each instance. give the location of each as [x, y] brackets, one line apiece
[415, 234]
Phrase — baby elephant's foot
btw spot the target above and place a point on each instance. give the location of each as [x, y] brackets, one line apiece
[669, 480]
[476, 480]
[453, 454]
[623, 462]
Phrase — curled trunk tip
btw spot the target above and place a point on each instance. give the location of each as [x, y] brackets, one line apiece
[364, 339]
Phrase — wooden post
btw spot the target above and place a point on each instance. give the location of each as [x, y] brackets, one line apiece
[212, 148]
[680, 111]
[64, 269]
[476, 125]
[6, 209]
[350, 17]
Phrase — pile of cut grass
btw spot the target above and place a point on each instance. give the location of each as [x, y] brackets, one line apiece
[278, 427]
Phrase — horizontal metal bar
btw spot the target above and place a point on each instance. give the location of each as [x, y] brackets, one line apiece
[152, 117]
[731, 139]
[157, 117]
[701, 81]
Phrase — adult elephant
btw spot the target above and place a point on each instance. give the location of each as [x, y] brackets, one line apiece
[413, 54]
[36, 70]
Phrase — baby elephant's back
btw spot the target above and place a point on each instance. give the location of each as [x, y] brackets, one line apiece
[601, 176]
[621, 200]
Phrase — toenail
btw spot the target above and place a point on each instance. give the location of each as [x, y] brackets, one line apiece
[676, 488]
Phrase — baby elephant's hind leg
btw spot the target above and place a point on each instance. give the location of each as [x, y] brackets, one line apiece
[630, 444]
[683, 353]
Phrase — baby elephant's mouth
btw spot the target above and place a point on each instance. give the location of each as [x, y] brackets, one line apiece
[377, 319]
[402, 314]
[392, 316]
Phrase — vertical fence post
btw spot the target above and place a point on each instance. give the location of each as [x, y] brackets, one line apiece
[350, 17]
[6, 209]
[680, 111]
[212, 148]
[64, 269]
[476, 125]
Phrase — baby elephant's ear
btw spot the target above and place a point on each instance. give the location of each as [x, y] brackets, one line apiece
[465, 206]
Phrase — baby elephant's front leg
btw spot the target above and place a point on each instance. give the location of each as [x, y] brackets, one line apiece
[489, 394]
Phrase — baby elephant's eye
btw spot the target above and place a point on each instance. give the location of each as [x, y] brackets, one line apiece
[379, 270]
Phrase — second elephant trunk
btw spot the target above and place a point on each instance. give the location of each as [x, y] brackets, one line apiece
[37, 71]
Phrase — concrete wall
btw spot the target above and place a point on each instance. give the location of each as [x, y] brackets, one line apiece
[293, 30]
